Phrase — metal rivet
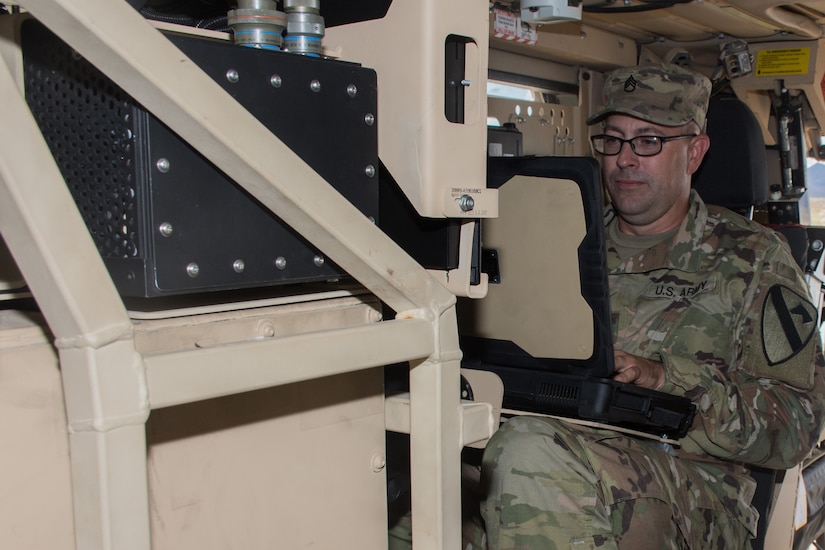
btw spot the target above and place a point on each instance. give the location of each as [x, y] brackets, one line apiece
[266, 329]
[371, 219]
[378, 463]
[352, 90]
[232, 76]
[369, 170]
[318, 261]
[276, 81]
[163, 165]
[369, 119]
[166, 229]
[280, 262]
[315, 86]
[238, 266]
[466, 203]
[193, 270]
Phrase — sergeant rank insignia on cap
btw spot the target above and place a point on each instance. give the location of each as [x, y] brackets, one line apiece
[630, 84]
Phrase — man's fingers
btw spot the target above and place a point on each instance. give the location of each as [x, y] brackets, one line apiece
[627, 374]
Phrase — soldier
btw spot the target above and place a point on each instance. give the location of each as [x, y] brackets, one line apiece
[706, 304]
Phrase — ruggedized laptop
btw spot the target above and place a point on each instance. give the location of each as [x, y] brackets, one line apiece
[544, 327]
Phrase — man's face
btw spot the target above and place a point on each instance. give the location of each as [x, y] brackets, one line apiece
[651, 193]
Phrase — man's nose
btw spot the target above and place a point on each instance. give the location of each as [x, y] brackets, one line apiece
[626, 155]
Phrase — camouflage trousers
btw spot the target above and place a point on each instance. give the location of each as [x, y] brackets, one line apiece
[554, 485]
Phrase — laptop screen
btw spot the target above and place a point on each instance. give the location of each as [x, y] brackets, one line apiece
[550, 308]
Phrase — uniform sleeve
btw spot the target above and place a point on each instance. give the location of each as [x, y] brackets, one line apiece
[767, 408]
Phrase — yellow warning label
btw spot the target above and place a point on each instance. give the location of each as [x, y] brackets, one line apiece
[782, 62]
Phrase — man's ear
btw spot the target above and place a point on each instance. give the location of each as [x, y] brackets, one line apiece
[696, 152]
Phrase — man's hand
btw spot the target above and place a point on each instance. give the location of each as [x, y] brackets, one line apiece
[639, 371]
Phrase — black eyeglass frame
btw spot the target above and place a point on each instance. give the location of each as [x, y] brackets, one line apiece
[661, 139]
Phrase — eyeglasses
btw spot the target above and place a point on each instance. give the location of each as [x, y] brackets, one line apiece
[644, 146]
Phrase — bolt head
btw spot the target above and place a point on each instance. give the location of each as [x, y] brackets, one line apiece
[466, 203]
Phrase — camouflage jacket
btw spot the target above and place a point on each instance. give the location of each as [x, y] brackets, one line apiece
[725, 308]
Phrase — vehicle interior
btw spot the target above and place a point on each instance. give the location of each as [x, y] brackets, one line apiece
[252, 250]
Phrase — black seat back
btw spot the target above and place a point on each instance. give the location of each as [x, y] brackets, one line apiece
[734, 173]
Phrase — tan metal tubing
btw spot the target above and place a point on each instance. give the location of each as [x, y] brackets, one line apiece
[194, 375]
[435, 444]
[104, 381]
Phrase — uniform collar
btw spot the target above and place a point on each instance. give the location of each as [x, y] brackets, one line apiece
[675, 253]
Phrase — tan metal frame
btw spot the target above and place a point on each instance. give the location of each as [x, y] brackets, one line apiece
[109, 387]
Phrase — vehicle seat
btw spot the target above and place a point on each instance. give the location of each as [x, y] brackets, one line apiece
[734, 173]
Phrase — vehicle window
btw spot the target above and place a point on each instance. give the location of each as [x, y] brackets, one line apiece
[815, 194]
[506, 90]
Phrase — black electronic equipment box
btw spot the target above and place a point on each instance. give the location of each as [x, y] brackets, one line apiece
[164, 219]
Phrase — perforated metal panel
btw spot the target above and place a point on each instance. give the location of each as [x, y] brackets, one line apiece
[165, 220]
[88, 123]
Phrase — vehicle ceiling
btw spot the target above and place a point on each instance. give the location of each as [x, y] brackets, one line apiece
[699, 26]
[698, 20]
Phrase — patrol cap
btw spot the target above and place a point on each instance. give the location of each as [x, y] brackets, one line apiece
[664, 94]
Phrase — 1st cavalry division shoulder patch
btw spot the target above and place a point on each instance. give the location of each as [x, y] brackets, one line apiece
[788, 323]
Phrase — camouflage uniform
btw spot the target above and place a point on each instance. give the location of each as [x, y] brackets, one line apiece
[721, 304]
[709, 304]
